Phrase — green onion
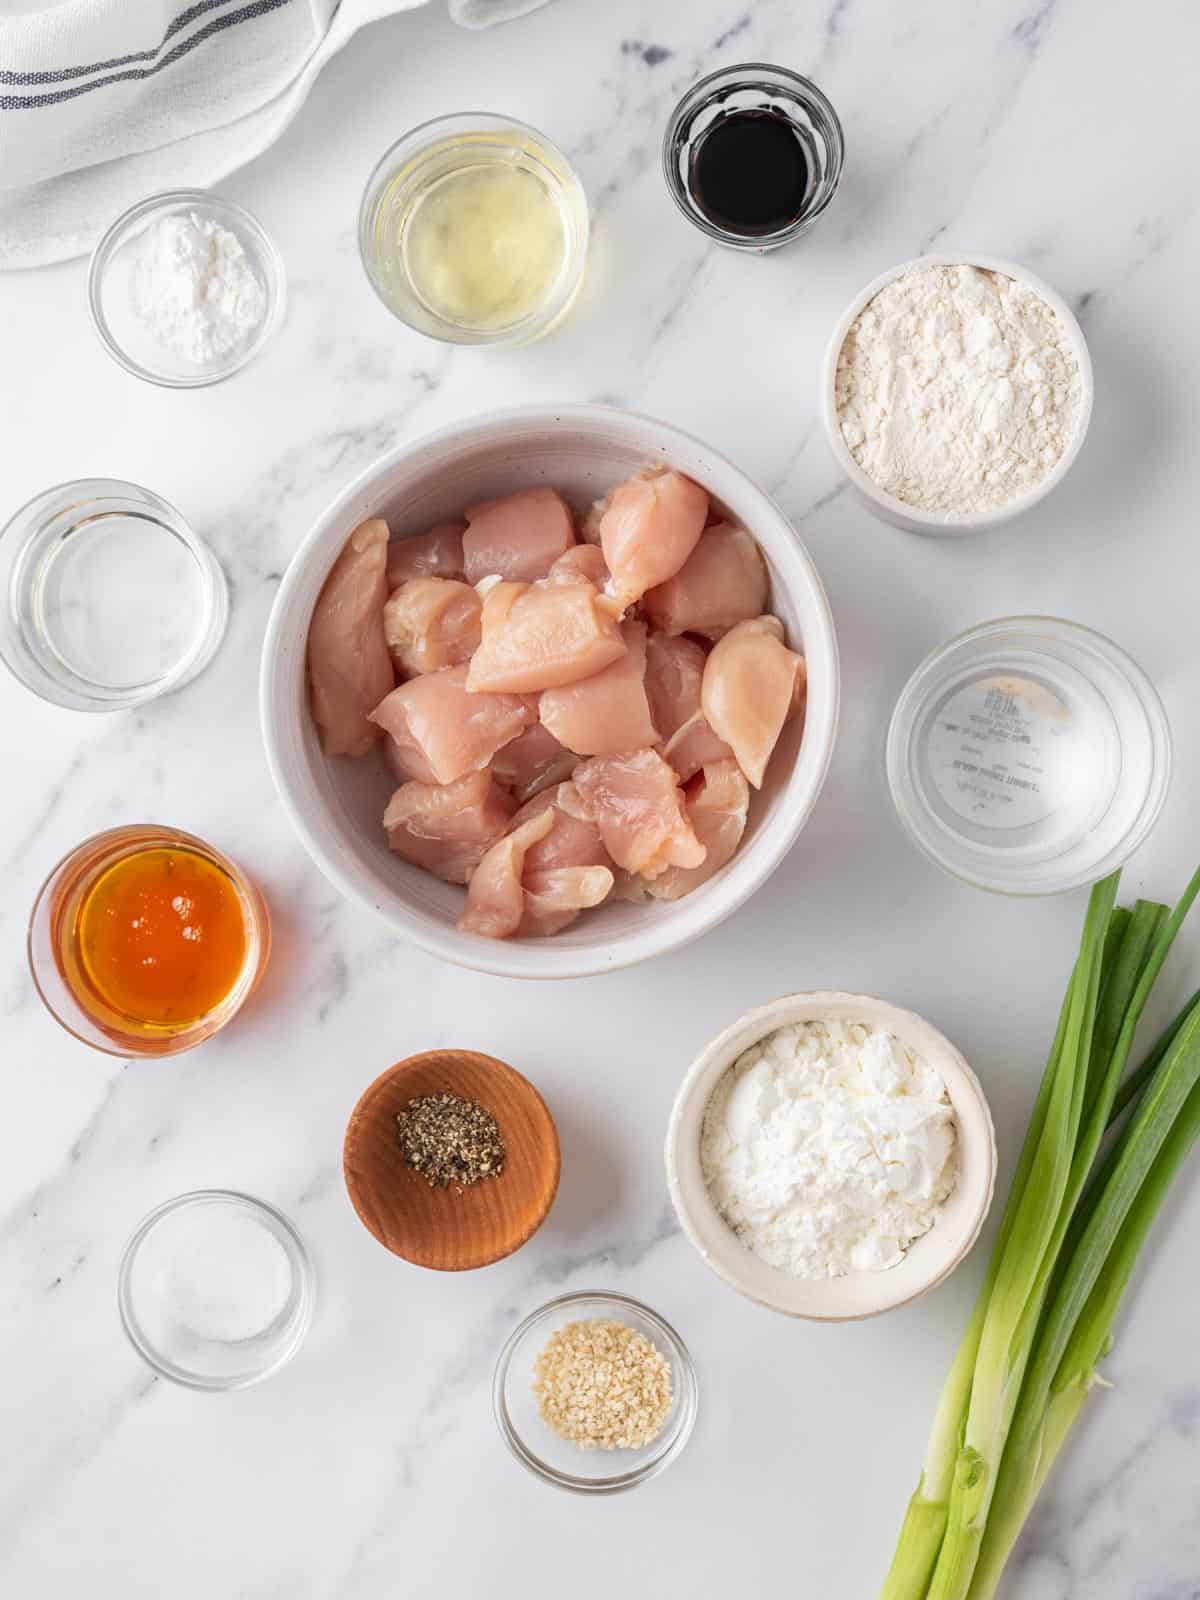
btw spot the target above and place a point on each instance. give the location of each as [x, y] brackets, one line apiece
[1066, 1245]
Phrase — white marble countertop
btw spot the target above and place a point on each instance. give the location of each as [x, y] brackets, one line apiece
[1058, 134]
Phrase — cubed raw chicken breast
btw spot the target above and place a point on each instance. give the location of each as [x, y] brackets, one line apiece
[518, 537]
[436, 554]
[430, 623]
[349, 669]
[554, 899]
[532, 762]
[448, 829]
[717, 804]
[543, 635]
[638, 807]
[723, 582]
[693, 746]
[495, 898]
[582, 561]
[406, 763]
[674, 673]
[674, 669]
[454, 731]
[573, 840]
[648, 530]
[752, 684]
[608, 712]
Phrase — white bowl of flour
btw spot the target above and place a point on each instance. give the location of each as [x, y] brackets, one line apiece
[956, 392]
[831, 1156]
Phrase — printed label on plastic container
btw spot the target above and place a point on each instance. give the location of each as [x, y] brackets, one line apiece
[1005, 752]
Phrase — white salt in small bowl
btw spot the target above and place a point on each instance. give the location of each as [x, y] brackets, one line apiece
[122, 331]
[898, 512]
[216, 1290]
[928, 1261]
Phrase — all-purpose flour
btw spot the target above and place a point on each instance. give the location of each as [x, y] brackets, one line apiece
[828, 1148]
[957, 389]
[195, 289]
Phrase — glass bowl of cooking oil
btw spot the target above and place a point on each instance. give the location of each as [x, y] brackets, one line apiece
[474, 230]
[145, 941]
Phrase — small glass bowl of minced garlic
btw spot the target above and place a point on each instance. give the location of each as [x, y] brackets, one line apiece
[473, 229]
[595, 1392]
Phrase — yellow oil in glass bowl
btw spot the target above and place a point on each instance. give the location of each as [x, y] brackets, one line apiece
[473, 230]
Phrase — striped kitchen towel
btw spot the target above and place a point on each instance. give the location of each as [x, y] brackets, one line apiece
[105, 101]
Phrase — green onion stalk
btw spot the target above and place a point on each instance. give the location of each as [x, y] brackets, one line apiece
[1028, 1355]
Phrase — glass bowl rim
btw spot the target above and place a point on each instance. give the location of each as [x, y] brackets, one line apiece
[914, 695]
[251, 896]
[810, 91]
[267, 258]
[529, 329]
[669, 1445]
[215, 601]
[298, 1256]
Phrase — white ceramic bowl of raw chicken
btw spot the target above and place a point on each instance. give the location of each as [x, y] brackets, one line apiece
[336, 805]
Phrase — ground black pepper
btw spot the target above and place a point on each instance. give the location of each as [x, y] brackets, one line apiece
[450, 1140]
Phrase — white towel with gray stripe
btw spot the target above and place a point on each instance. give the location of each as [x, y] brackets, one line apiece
[103, 102]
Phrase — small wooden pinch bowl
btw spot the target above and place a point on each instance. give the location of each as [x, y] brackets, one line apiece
[452, 1229]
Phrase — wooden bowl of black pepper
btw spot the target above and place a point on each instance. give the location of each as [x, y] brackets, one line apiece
[437, 1187]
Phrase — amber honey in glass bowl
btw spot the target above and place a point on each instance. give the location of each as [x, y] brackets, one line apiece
[146, 941]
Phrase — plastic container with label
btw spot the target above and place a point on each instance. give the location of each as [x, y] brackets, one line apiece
[1029, 756]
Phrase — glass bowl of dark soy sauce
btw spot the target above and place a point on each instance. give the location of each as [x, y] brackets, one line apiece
[753, 155]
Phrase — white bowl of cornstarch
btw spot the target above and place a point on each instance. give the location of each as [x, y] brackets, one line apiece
[831, 1156]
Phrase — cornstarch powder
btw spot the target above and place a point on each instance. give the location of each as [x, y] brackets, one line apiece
[195, 290]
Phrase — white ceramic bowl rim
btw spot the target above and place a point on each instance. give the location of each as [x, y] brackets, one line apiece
[944, 522]
[550, 958]
[929, 1259]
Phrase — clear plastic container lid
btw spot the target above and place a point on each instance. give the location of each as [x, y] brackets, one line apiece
[1029, 756]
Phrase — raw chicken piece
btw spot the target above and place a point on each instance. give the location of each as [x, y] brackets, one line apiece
[674, 668]
[582, 561]
[717, 806]
[638, 808]
[430, 623]
[349, 669]
[554, 899]
[532, 762]
[436, 554]
[542, 635]
[589, 528]
[495, 899]
[454, 731]
[693, 746]
[648, 530]
[406, 763]
[723, 582]
[519, 536]
[447, 829]
[606, 713]
[573, 840]
[752, 684]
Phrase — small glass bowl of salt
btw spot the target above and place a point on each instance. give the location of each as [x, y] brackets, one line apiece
[216, 1290]
[185, 288]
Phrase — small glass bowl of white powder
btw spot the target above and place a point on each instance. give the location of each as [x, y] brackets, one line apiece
[956, 392]
[216, 1290]
[831, 1156]
[185, 288]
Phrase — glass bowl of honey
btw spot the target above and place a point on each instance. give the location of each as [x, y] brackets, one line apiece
[145, 941]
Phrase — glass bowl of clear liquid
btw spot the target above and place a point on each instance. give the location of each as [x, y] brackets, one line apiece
[110, 599]
[1029, 756]
[473, 229]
